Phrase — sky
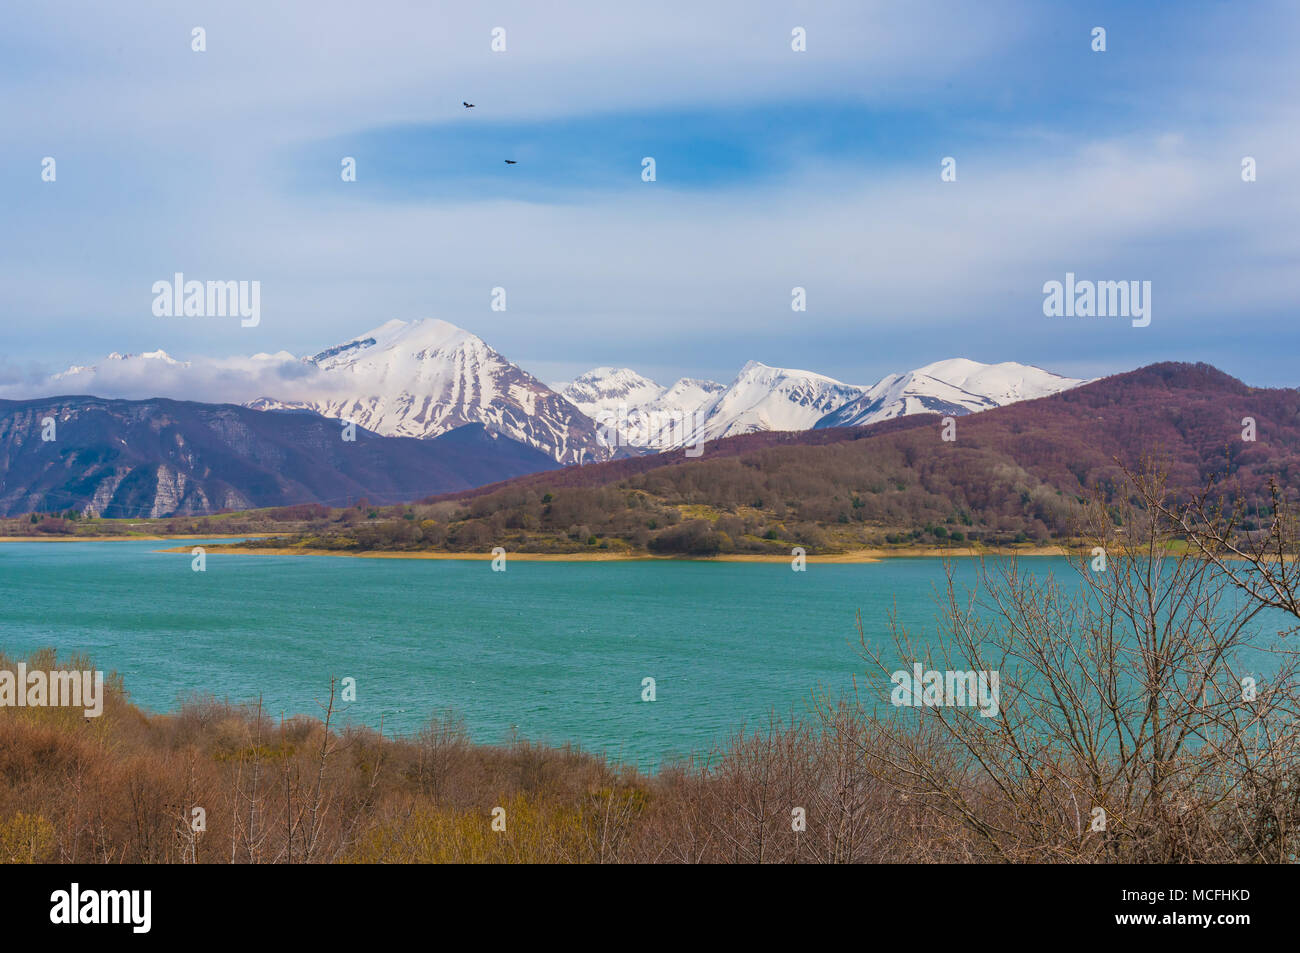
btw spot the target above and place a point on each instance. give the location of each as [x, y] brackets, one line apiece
[775, 169]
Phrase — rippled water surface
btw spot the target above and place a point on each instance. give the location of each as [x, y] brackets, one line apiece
[554, 651]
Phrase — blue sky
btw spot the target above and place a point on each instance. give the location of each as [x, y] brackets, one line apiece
[775, 169]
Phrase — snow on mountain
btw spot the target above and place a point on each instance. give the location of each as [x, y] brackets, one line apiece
[606, 388]
[774, 398]
[689, 394]
[771, 398]
[633, 411]
[953, 387]
[423, 378]
[1004, 383]
[88, 371]
[668, 421]
[901, 394]
[159, 355]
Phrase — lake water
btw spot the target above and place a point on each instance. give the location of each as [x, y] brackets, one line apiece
[554, 651]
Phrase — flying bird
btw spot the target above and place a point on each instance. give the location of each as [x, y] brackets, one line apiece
[467, 105]
[511, 162]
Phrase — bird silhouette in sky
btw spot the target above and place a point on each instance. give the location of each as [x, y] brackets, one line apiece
[511, 162]
[467, 105]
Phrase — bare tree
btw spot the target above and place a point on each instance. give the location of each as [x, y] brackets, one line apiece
[1122, 724]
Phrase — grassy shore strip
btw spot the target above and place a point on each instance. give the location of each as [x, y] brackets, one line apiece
[854, 556]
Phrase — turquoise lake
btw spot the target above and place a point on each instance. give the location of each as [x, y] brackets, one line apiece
[553, 651]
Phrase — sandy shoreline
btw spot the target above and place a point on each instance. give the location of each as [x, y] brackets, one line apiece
[854, 556]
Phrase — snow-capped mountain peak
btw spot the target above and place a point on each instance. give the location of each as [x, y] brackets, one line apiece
[423, 378]
[605, 388]
[772, 398]
[956, 386]
[1004, 383]
[635, 411]
[690, 393]
[88, 371]
[159, 355]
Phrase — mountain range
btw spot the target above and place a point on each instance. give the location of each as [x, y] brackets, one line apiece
[954, 387]
[423, 378]
[160, 457]
[763, 398]
[420, 380]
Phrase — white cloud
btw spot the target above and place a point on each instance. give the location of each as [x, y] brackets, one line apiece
[209, 380]
[302, 70]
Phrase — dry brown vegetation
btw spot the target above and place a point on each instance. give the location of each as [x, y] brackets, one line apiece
[122, 788]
